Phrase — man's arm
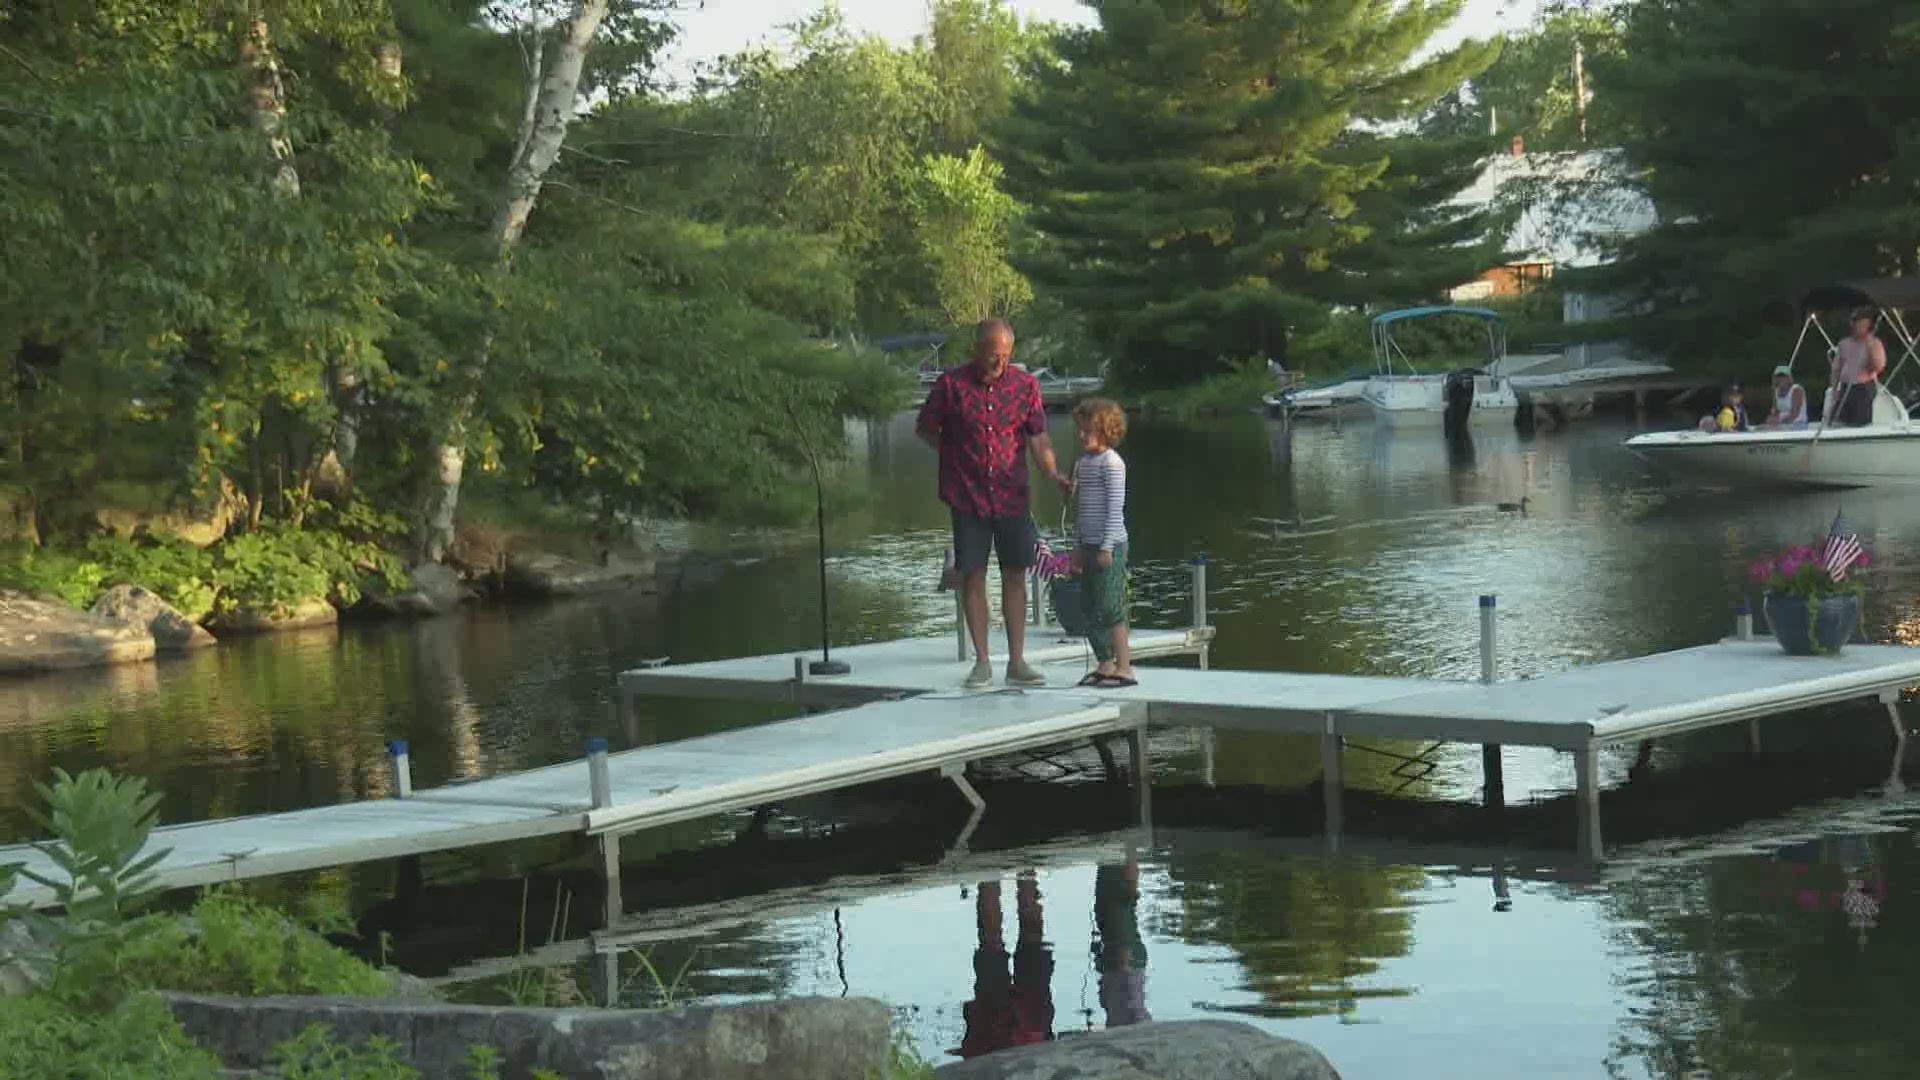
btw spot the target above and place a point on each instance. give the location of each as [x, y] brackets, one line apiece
[1042, 449]
[932, 414]
[1877, 356]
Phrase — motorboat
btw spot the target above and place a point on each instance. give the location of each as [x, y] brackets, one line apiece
[1469, 395]
[1884, 453]
[1323, 398]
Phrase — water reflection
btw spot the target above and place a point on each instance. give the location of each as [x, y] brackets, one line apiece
[1120, 952]
[1012, 998]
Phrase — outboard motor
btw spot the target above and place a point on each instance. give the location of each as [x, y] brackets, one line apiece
[1457, 392]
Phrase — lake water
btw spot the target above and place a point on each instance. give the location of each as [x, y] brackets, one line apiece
[1755, 920]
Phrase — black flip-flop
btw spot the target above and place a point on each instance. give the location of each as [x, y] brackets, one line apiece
[1090, 678]
[1114, 682]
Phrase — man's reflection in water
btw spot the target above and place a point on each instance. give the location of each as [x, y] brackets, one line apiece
[1009, 1008]
[1118, 949]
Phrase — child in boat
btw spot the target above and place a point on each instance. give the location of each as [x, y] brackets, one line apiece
[1732, 415]
[1100, 539]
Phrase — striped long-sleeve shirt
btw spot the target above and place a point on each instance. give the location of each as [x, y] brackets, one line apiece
[1100, 500]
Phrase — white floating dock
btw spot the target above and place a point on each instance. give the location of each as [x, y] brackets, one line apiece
[1578, 711]
[639, 789]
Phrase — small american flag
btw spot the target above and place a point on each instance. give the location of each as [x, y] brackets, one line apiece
[1840, 550]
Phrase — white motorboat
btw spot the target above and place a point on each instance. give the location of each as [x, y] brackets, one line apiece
[1319, 399]
[1415, 400]
[1884, 453]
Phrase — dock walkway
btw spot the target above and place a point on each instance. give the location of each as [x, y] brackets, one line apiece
[608, 795]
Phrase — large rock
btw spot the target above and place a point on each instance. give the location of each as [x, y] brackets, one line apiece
[799, 1039]
[434, 590]
[42, 634]
[135, 606]
[1181, 1050]
[306, 613]
[541, 574]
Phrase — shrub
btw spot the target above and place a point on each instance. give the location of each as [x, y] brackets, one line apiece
[72, 579]
[275, 567]
[45, 1038]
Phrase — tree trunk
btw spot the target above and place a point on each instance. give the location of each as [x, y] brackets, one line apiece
[333, 474]
[267, 94]
[552, 91]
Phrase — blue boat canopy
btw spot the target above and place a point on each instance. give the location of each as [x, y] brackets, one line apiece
[1427, 312]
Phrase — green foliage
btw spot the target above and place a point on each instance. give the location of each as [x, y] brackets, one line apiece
[71, 578]
[904, 1061]
[277, 566]
[962, 220]
[314, 1055]
[1235, 390]
[47, 1039]
[235, 945]
[1781, 149]
[99, 824]
[1530, 90]
[1197, 180]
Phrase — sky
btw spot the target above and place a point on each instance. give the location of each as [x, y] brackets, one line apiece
[717, 27]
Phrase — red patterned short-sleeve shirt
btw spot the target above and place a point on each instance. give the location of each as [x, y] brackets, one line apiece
[984, 428]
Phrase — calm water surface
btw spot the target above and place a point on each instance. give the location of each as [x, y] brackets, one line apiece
[1757, 920]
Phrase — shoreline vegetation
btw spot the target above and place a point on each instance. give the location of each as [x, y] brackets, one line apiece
[90, 988]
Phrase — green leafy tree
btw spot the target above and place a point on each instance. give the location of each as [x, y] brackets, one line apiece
[1780, 148]
[1192, 170]
[964, 222]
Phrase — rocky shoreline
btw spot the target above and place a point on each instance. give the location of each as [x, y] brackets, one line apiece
[130, 624]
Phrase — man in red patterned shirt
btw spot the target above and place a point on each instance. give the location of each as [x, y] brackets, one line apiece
[984, 417]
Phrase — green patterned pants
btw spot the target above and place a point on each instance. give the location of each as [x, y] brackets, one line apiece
[1104, 594]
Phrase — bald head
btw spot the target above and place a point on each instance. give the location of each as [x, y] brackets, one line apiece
[992, 347]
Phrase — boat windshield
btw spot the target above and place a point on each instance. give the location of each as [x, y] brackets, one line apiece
[1387, 350]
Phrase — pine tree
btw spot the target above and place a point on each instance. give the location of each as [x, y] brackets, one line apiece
[1197, 176]
[1781, 146]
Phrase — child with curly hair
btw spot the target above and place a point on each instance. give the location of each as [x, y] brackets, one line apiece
[1100, 539]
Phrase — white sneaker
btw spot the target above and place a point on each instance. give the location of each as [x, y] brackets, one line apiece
[981, 675]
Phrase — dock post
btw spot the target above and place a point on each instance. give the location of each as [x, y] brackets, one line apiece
[600, 781]
[1891, 700]
[1490, 764]
[1586, 790]
[402, 768]
[1333, 784]
[956, 772]
[1198, 567]
[1142, 773]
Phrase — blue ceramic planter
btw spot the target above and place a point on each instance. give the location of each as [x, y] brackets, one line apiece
[1825, 634]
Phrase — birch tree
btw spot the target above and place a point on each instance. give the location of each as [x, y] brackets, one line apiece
[553, 88]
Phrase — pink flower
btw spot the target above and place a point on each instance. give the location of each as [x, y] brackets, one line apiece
[1864, 560]
[1791, 565]
[1760, 570]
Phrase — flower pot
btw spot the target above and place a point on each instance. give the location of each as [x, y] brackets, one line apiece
[1825, 632]
[1068, 608]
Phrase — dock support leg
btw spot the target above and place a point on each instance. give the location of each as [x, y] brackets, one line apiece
[1109, 767]
[1207, 738]
[1198, 568]
[957, 773]
[1494, 772]
[614, 905]
[1586, 790]
[1142, 774]
[1753, 737]
[1892, 702]
[1333, 785]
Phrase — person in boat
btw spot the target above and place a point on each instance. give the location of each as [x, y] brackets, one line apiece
[1789, 402]
[1857, 363]
[1732, 414]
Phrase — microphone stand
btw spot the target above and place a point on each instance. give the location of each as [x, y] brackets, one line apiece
[826, 665]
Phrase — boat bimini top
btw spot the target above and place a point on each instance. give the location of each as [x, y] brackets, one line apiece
[1385, 348]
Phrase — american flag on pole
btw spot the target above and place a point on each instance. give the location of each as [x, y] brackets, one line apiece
[1840, 550]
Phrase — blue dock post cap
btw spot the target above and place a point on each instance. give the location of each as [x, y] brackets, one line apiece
[1198, 560]
[596, 746]
[396, 748]
[1743, 607]
[1486, 600]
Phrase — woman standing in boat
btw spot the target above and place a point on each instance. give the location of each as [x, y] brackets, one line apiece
[1857, 363]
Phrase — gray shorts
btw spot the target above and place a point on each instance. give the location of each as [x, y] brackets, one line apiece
[1011, 538]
